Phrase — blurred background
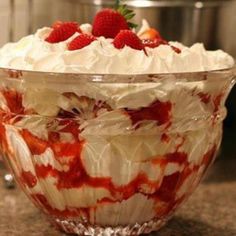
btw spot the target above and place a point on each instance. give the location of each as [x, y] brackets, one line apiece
[187, 21]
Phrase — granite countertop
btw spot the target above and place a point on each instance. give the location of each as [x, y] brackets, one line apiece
[211, 211]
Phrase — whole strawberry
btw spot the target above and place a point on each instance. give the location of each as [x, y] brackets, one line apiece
[109, 23]
[127, 38]
[62, 31]
[81, 41]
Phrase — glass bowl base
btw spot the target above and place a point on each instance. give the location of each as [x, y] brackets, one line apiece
[78, 228]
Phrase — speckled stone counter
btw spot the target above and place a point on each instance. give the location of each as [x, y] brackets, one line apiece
[211, 211]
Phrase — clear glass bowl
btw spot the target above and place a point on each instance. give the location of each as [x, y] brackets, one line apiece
[111, 154]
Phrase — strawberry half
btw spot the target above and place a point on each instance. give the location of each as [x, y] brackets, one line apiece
[62, 31]
[151, 38]
[81, 41]
[127, 38]
[109, 23]
[150, 34]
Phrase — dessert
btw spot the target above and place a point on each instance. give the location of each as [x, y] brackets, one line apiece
[113, 151]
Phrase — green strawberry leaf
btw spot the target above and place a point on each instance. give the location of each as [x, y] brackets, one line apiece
[130, 16]
[132, 25]
[127, 13]
[117, 4]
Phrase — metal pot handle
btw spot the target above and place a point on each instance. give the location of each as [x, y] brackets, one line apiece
[167, 3]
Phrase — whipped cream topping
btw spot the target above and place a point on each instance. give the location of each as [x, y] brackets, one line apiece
[34, 53]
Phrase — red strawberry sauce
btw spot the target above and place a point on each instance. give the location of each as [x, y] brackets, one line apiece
[77, 176]
[156, 111]
[205, 97]
[217, 101]
[28, 178]
[69, 154]
[14, 101]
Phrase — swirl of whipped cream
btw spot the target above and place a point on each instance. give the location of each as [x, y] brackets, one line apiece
[34, 53]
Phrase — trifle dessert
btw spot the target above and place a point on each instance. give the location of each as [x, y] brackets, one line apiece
[108, 129]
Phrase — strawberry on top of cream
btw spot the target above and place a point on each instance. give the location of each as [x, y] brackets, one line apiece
[109, 46]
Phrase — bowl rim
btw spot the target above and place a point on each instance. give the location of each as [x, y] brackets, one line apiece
[37, 76]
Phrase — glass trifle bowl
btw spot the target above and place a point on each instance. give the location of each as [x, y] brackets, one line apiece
[111, 154]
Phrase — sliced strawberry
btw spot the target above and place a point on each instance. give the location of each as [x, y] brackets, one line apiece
[127, 38]
[81, 41]
[109, 23]
[62, 31]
